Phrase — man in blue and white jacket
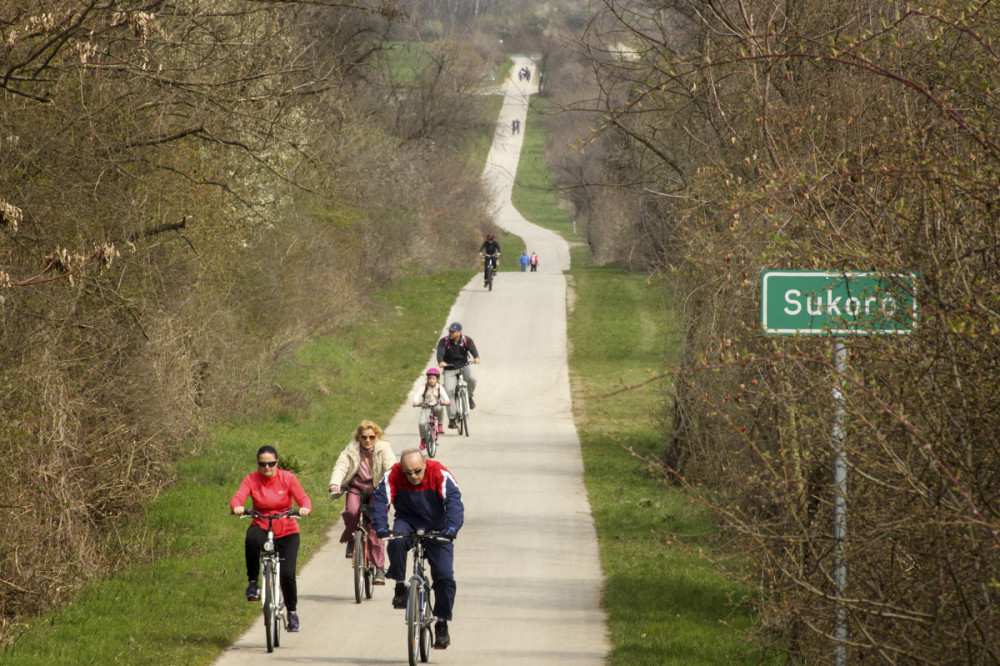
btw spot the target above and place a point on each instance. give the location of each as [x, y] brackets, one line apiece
[425, 496]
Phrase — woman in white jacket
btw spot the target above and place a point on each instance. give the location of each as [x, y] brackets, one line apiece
[431, 396]
[361, 466]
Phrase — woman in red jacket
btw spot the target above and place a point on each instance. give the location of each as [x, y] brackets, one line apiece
[272, 491]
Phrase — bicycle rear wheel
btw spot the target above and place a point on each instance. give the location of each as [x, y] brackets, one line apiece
[413, 623]
[359, 566]
[465, 411]
[268, 605]
[425, 626]
[369, 580]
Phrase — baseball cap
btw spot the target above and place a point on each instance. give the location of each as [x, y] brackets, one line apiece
[455, 326]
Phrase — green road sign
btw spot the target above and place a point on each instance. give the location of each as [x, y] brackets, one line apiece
[831, 303]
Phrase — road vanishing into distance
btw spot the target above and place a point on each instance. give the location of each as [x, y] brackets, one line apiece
[526, 561]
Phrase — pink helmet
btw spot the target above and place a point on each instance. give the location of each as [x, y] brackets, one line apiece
[433, 371]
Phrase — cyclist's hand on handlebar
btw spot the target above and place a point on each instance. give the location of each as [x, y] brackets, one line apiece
[334, 489]
[238, 510]
[382, 534]
[304, 511]
[450, 533]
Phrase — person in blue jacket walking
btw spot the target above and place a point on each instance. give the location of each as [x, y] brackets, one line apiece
[425, 496]
[524, 260]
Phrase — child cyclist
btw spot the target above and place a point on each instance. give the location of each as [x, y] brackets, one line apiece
[431, 396]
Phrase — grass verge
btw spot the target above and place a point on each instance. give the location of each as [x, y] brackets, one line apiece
[186, 604]
[534, 194]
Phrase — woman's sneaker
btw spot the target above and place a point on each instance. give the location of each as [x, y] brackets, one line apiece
[293, 621]
[253, 592]
[423, 444]
[379, 576]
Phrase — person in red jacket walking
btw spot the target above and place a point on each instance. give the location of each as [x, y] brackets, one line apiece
[272, 491]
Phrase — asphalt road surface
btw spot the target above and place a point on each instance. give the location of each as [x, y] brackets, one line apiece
[526, 561]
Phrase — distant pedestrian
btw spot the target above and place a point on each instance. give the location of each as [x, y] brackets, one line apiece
[523, 260]
[533, 261]
[513, 126]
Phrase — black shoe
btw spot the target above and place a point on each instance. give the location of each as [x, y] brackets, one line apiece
[293, 621]
[441, 638]
[399, 596]
[472, 403]
[452, 424]
[350, 550]
[253, 592]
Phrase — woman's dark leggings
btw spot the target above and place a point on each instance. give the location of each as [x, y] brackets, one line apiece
[288, 550]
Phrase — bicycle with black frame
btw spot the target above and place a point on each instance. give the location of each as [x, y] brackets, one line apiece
[492, 262]
[364, 570]
[271, 600]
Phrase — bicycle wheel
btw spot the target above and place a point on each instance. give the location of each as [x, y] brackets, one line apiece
[413, 623]
[425, 627]
[369, 580]
[465, 411]
[432, 443]
[488, 279]
[278, 607]
[268, 604]
[359, 565]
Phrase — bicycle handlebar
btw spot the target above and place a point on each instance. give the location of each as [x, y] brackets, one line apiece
[425, 535]
[351, 491]
[254, 513]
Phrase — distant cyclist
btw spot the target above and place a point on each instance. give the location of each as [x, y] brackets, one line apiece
[490, 250]
[272, 491]
[455, 350]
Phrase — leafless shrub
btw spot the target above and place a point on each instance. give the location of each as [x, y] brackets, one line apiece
[760, 135]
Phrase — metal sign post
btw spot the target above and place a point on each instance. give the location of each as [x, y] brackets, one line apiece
[839, 499]
[838, 304]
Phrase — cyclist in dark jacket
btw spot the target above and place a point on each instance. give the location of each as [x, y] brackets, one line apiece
[455, 350]
[425, 496]
[490, 249]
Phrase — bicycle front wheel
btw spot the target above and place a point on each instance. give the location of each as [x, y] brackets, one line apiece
[414, 623]
[359, 566]
[432, 442]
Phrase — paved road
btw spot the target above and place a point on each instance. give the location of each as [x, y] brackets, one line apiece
[526, 562]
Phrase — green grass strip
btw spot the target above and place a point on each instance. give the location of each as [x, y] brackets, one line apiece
[534, 195]
[186, 604]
